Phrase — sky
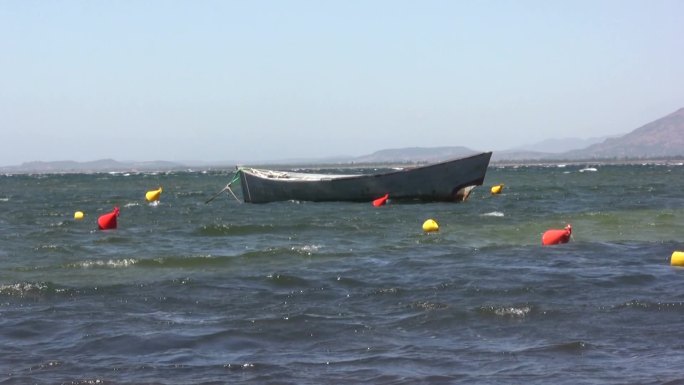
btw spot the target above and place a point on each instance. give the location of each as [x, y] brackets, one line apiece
[263, 80]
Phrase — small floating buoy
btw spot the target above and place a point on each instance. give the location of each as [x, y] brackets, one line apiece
[108, 221]
[153, 195]
[677, 258]
[556, 236]
[497, 189]
[430, 226]
[381, 201]
[78, 215]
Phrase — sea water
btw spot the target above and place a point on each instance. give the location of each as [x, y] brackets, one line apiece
[184, 292]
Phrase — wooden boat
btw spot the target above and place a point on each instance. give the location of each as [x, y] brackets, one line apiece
[449, 181]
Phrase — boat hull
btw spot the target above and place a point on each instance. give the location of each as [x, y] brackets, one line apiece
[448, 181]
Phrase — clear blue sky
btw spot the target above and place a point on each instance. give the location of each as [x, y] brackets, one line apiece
[263, 80]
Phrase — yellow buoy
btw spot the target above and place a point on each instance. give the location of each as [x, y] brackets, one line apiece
[78, 215]
[497, 189]
[153, 195]
[430, 225]
[677, 258]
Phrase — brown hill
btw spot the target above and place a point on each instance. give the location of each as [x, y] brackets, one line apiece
[415, 154]
[661, 138]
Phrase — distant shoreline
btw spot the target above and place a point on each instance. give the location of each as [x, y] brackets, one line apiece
[584, 162]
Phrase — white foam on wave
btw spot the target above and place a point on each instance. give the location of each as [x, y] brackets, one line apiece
[22, 288]
[132, 204]
[513, 311]
[118, 263]
[493, 214]
[588, 169]
[306, 249]
[50, 246]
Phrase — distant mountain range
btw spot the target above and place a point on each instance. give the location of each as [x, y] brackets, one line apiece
[558, 145]
[414, 154]
[662, 138]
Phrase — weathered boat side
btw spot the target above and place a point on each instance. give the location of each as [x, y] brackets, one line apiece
[445, 181]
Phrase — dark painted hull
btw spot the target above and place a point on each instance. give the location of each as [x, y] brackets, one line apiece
[446, 181]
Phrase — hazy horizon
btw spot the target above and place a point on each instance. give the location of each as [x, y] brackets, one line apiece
[218, 81]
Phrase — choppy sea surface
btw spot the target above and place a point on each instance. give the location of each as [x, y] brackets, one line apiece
[184, 292]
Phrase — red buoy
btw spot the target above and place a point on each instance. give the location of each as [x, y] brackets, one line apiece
[556, 236]
[108, 221]
[381, 201]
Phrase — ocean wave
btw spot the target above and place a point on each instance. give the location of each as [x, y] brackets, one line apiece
[506, 311]
[49, 247]
[493, 214]
[286, 280]
[188, 194]
[207, 260]
[111, 264]
[427, 305]
[192, 261]
[47, 365]
[107, 239]
[268, 252]
[386, 291]
[572, 347]
[306, 249]
[272, 252]
[648, 305]
[25, 289]
[221, 230]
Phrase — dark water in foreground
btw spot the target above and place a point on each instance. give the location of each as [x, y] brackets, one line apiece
[340, 293]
